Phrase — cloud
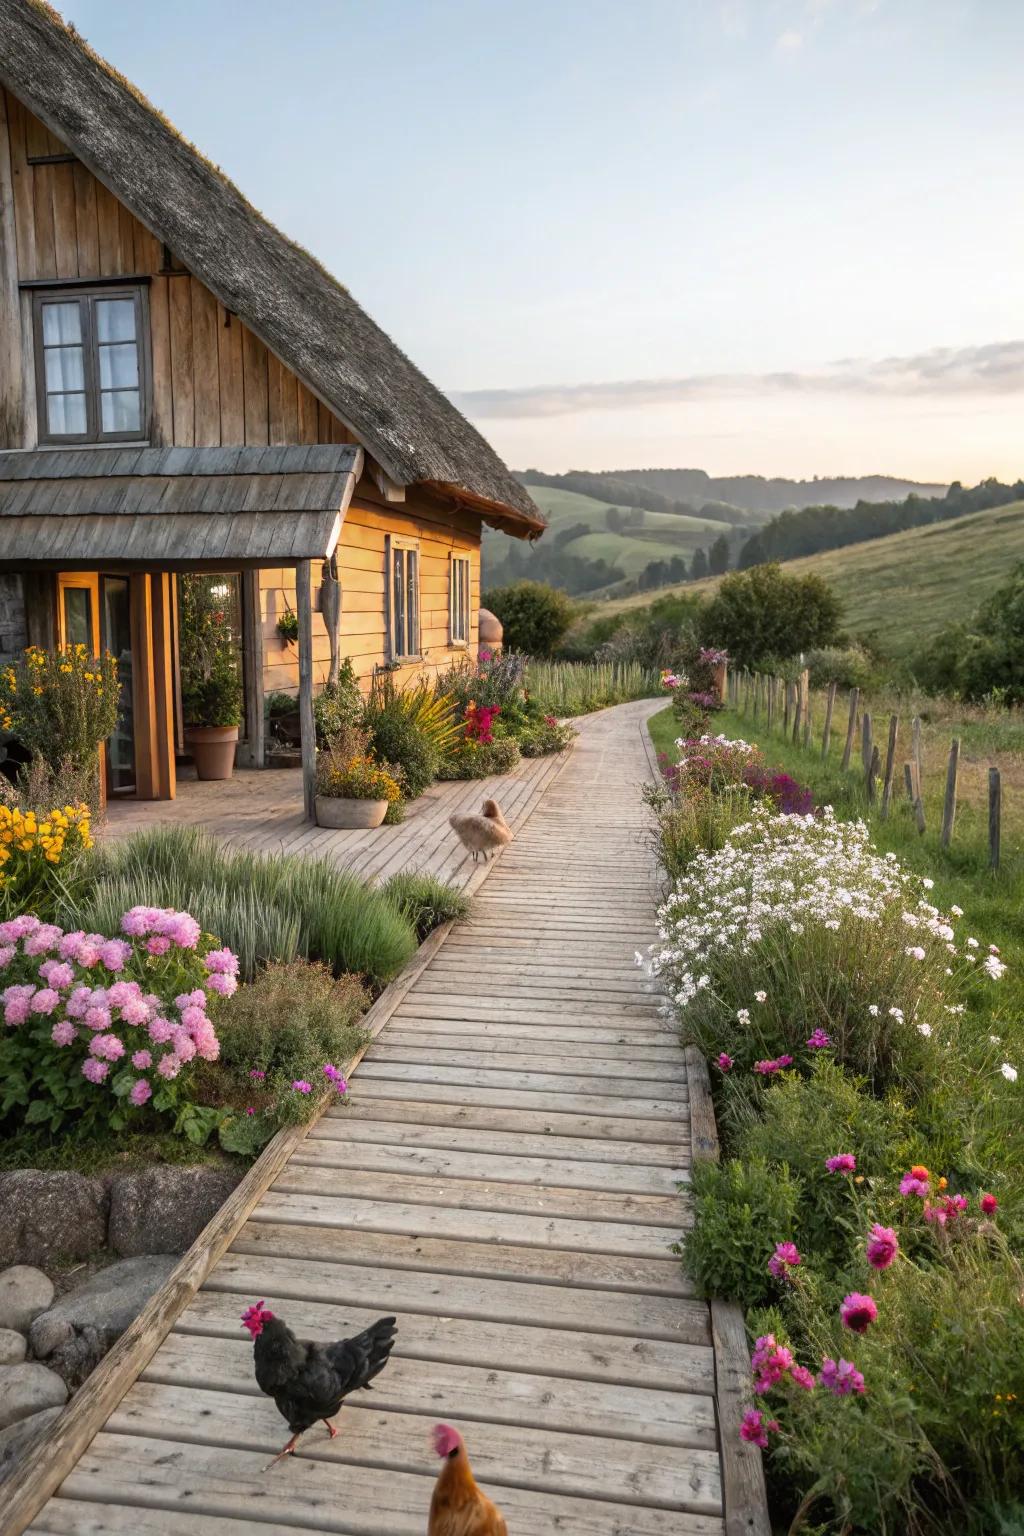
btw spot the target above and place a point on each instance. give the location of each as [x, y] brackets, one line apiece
[790, 41]
[994, 369]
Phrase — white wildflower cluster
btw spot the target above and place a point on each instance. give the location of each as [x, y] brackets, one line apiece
[742, 748]
[796, 872]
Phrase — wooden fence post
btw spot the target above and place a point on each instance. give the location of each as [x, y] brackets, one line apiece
[788, 700]
[757, 696]
[908, 779]
[826, 734]
[807, 723]
[995, 807]
[949, 807]
[851, 729]
[865, 740]
[872, 775]
[890, 765]
[770, 709]
[918, 755]
[801, 705]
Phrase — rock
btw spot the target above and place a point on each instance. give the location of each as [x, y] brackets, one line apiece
[12, 1347]
[47, 1216]
[164, 1209]
[24, 1293]
[105, 1304]
[26, 1389]
[15, 1439]
[78, 1355]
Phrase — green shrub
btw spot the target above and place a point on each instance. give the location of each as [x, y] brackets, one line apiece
[267, 909]
[741, 1211]
[397, 739]
[479, 760]
[414, 730]
[566, 688]
[425, 901]
[765, 612]
[534, 615]
[547, 735]
[211, 680]
[848, 667]
[337, 705]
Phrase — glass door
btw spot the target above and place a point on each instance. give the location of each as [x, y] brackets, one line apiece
[117, 639]
[78, 619]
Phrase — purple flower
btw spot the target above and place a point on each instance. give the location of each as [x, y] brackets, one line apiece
[843, 1162]
[858, 1312]
[140, 1092]
[333, 1075]
[803, 1377]
[725, 1062]
[754, 1427]
[301, 1086]
[841, 1378]
[819, 1041]
[882, 1247]
[785, 1258]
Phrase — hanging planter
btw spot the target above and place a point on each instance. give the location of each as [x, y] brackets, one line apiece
[288, 628]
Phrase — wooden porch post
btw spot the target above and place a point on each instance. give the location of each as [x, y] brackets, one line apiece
[143, 701]
[307, 724]
[252, 669]
[165, 785]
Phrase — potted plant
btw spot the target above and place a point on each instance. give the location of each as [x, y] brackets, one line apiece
[288, 627]
[211, 684]
[352, 790]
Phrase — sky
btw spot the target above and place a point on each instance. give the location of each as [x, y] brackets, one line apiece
[750, 236]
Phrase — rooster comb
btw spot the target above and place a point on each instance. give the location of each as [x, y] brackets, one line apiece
[446, 1439]
[255, 1316]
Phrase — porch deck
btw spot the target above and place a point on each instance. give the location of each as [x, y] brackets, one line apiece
[262, 810]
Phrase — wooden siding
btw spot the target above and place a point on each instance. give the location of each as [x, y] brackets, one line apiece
[361, 562]
[214, 382]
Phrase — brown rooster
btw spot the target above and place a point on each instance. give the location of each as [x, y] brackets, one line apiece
[458, 1508]
[483, 834]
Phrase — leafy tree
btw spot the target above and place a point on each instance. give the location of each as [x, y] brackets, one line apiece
[677, 569]
[613, 519]
[985, 657]
[763, 612]
[534, 615]
[698, 565]
[718, 556]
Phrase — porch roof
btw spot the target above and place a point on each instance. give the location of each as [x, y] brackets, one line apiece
[174, 506]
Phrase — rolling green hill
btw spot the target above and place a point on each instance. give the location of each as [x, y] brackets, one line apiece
[908, 586]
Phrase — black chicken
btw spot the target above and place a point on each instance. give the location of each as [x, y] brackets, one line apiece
[308, 1381]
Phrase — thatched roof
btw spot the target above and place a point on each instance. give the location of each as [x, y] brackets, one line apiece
[286, 297]
[174, 506]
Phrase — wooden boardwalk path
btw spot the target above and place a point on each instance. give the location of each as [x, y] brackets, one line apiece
[504, 1179]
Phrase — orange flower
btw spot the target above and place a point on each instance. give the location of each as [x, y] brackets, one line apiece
[920, 1171]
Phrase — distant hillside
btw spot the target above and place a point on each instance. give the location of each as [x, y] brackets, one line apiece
[908, 586]
[741, 498]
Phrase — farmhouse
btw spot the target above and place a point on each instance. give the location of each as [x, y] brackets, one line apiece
[183, 392]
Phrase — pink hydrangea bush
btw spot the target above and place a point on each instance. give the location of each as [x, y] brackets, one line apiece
[95, 1027]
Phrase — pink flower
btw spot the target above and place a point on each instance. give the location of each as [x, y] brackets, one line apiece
[87, 950]
[773, 1367]
[181, 929]
[783, 1260]
[140, 1092]
[68, 946]
[157, 944]
[948, 1209]
[7, 954]
[725, 1062]
[94, 1070]
[97, 1017]
[989, 1204]
[121, 992]
[64, 1033]
[57, 973]
[333, 1075]
[766, 1068]
[193, 1017]
[754, 1428]
[858, 1312]
[911, 1185]
[160, 1030]
[135, 1011]
[45, 1000]
[114, 953]
[44, 938]
[17, 927]
[842, 1378]
[257, 1074]
[17, 1003]
[250, 1110]
[169, 1066]
[196, 999]
[882, 1247]
[301, 1086]
[843, 1162]
[819, 1041]
[223, 961]
[783, 1061]
[141, 1060]
[138, 921]
[78, 1003]
[184, 1048]
[803, 1377]
[222, 982]
[107, 1047]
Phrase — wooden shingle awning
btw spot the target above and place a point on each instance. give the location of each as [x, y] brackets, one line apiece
[174, 507]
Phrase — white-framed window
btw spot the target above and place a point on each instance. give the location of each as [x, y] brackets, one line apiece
[458, 599]
[403, 556]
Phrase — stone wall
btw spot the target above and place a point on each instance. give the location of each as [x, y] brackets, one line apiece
[13, 628]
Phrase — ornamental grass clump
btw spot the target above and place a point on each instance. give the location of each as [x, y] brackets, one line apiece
[803, 912]
[97, 1027]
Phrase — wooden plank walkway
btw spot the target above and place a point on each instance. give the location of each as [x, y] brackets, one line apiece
[262, 810]
[504, 1179]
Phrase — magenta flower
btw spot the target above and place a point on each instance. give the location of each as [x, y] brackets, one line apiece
[766, 1068]
[140, 1092]
[773, 1367]
[334, 1076]
[819, 1041]
[94, 1070]
[754, 1428]
[803, 1377]
[725, 1062]
[250, 1110]
[882, 1247]
[785, 1258]
[257, 1074]
[64, 1033]
[911, 1185]
[843, 1162]
[989, 1204]
[858, 1312]
[841, 1378]
[301, 1086]
[783, 1061]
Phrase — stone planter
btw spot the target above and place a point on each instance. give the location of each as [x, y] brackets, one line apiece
[213, 749]
[349, 815]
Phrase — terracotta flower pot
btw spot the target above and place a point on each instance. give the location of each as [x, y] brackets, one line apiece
[213, 749]
[340, 813]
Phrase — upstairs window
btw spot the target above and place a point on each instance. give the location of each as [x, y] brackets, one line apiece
[90, 366]
[404, 598]
[458, 600]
